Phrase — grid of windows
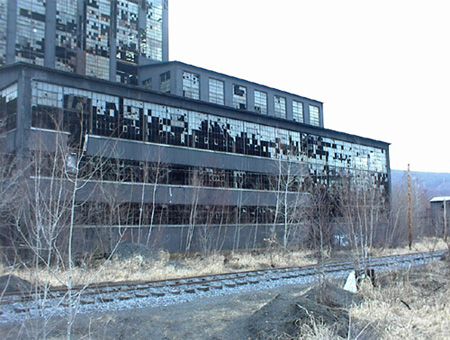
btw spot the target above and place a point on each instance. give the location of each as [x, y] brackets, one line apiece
[297, 111]
[260, 102]
[151, 37]
[280, 106]
[66, 37]
[191, 85]
[216, 91]
[131, 119]
[30, 31]
[314, 116]
[239, 97]
[127, 31]
[98, 22]
[89, 25]
[3, 12]
[8, 108]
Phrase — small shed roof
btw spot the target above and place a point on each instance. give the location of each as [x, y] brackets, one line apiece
[440, 199]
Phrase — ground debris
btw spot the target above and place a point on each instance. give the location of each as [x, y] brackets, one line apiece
[326, 304]
[446, 256]
[11, 283]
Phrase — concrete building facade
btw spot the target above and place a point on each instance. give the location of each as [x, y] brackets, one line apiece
[168, 154]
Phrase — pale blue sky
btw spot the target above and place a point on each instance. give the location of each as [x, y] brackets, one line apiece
[381, 68]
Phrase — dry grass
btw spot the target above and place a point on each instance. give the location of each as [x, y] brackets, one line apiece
[317, 331]
[413, 305]
[162, 267]
[427, 244]
[406, 305]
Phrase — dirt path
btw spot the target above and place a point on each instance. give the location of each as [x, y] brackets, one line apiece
[223, 317]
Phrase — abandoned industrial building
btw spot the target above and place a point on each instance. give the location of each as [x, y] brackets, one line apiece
[157, 151]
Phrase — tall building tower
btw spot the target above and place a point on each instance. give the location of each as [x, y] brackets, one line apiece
[106, 39]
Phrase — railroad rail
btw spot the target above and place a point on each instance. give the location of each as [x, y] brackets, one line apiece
[106, 296]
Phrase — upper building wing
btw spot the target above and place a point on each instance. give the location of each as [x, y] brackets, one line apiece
[212, 87]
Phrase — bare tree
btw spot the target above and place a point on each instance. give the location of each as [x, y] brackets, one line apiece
[363, 210]
[196, 183]
[291, 198]
[158, 172]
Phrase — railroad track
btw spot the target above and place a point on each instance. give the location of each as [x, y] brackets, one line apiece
[122, 295]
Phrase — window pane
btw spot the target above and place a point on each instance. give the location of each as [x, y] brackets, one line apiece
[297, 111]
[280, 106]
[240, 97]
[260, 102]
[191, 85]
[314, 118]
[216, 95]
[164, 83]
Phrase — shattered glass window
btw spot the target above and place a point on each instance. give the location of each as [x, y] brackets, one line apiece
[326, 158]
[164, 82]
[127, 41]
[131, 119]
[151, 37]
[297, 111]
[127, 31]
[239, 97]
[66, 35]
[191, 85]
[30, 31]
[105, 114]
[280, 106]
[98, 22]
[8, 108]
[216, 91]
[260, 102]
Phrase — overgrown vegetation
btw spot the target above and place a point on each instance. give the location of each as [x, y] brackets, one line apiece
[410, 304]
[162, 266]
[44, 209]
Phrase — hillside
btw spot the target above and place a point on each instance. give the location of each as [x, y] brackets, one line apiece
[435, 184]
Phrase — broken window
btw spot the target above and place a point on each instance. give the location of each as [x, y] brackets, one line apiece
[191, 85]
[29, 46]
[164, 82]
[105, 109]
[127, 118]
[98, 28]
[240, 97]
[260, 102]
[131, 118]
[127, 38]
[66, 37]
[297, 111]
[216, 91]
[279, 106]
[147, 83]
[47, 104]
[8, 108]
[152, 36]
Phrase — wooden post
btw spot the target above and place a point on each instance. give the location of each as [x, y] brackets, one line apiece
[409, 210]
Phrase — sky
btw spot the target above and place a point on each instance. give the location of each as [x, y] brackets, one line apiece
[381, 68]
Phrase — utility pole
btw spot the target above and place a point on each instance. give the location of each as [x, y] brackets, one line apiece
[445, 220]
[409, 210]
